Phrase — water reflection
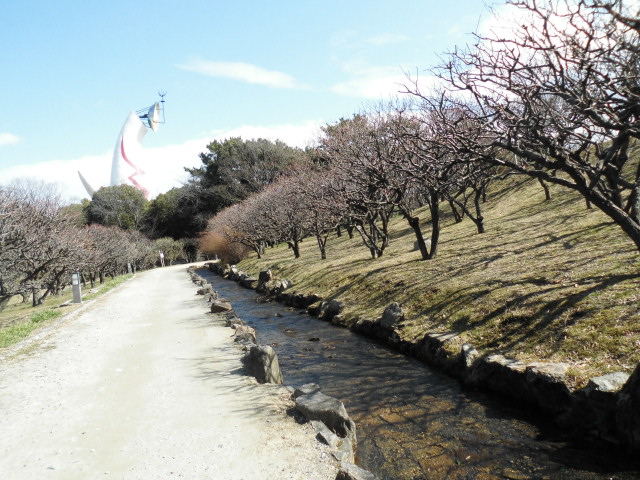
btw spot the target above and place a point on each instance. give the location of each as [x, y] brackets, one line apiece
[413, 422]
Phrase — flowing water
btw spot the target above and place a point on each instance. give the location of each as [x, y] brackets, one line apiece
[414, 422]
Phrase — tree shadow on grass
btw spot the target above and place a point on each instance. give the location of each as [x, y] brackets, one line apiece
[515, 328]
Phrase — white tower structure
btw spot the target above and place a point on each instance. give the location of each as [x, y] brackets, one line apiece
[125, 167]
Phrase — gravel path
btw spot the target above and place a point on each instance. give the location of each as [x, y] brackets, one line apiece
[144, 384]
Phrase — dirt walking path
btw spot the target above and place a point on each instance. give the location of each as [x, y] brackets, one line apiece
[144, 384]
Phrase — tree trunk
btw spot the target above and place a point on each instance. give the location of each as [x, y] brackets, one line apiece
[456, 214]
[479, 220]
[350, 231]
[385, 231]
[295, 246]
[368, 242]
[634, 198]
[44, 295]
[619, 216]
[547, 193]
[414, 223]
[435, 224]
[322, 244]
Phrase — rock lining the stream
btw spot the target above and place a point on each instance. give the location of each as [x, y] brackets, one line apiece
[261, 361]
[329, 418]
[349, 471]
[221, 305]
[607, 408]
[326, 414]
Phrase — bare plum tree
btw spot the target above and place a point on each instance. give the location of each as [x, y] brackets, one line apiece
[558, 100]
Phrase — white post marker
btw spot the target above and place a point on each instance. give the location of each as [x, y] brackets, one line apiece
[75, 285]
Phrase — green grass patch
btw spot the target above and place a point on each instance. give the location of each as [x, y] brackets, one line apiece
[15, 333]
[549, 280]
[44, 315]
[19, 320]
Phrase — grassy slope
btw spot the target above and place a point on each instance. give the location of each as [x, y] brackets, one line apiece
[549, 280]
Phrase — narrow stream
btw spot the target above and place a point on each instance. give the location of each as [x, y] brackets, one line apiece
[414, 422]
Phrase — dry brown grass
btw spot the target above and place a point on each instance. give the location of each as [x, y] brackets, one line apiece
[549, 280]
[213, 244]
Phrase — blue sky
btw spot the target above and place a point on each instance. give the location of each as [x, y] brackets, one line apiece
[72, 71]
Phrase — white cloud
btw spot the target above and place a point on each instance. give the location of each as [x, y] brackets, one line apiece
[378, 82]
[64, 173]
[163, 166]
[503, 21]
[244, 72]
[294, 135]
[9, 139]
[387, 39]
[164, 169]
[373, 87]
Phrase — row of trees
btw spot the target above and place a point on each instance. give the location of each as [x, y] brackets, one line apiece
[557, 100]
[364, 170]
[231, 171]
[42, 242]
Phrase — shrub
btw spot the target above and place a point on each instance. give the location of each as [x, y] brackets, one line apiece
[213, 244]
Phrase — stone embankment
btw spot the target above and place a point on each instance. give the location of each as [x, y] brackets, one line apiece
[608, 408]
[326, 414]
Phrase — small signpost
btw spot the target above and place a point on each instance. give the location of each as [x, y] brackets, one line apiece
[77, 290]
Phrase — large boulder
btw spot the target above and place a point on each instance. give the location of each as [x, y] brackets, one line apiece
[264, 277]
[307, 300]
[500, 374]
[220, 306]
[234, 321]
[349, 471]
[427, 242]
[328, 410]
[261, 361]
[314, 309]
[275, 286]
[548, 386]
[391, 316]
[341, 448]
[445, 350]
[244, 334]
[248, 281]
[540, 383]
[330, 309]
[205, 289]
[628, 412]
[595, 406]
[306, 389]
